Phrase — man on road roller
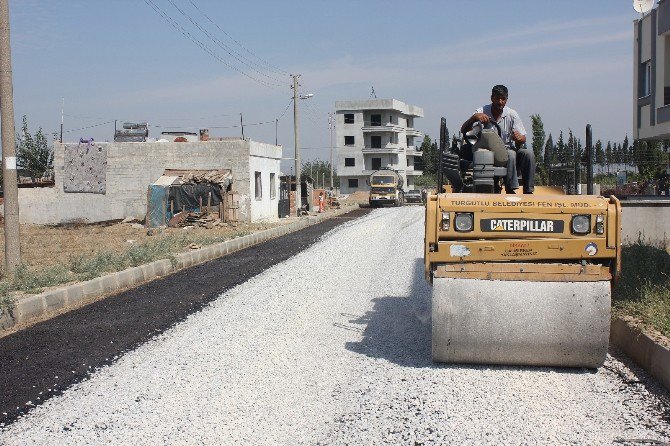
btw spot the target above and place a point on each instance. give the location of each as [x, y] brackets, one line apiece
[513, 135]
[517, 279]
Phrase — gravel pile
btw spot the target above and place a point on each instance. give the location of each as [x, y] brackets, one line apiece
[333, 347]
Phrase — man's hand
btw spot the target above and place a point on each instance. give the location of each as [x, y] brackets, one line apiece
[518, 138]
[481, 117]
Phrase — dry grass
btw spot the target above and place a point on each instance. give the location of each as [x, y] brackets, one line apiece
[58, 255]
[643, 291]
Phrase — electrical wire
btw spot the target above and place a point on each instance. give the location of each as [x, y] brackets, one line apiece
[242, 46]
[88, 127]
[204, 47]
[222, 45]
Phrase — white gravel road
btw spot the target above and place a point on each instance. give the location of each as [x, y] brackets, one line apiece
[333, 347]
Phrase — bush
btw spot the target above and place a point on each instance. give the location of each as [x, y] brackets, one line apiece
[643, 290]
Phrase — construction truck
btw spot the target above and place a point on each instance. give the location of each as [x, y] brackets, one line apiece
[517, 279]
[386, 188]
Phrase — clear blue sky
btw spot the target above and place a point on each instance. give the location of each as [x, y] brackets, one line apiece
[571, 61]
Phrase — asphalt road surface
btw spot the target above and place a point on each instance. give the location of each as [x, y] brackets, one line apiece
[327, 346]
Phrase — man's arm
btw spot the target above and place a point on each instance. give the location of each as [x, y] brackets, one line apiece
[518, 131]
[477, 117]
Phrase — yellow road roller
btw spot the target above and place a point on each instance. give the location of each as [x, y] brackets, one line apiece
[518, 279]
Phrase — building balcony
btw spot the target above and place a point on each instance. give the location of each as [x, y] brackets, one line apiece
[388, 148]
[383, 128]
[413, 132]
[411, 172]
[370, 172]
[413, 151]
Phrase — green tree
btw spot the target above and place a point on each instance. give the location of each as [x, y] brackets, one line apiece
[538, 137]
[320, 173]
[625, 151]
[430, 161]
[548, 159]
[538, 145]
[34, 155]
[600, 153]
[608, 155]
[649, 158]
[559, 150]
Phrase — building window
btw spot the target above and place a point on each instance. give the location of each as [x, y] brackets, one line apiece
[375, 120]
[348, 140]
[376, 142]
[348, 118]
[258, 188]
[376, 163]
[353, 182]
[410, 123]
[645, 79]
[273, 186]
[349, 162]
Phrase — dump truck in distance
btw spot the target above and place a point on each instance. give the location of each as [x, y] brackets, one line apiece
[386, 188]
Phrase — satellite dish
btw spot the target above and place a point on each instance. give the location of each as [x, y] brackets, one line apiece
[643, 6]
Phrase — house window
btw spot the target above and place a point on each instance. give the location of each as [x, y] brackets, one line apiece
[645, 79]
[376, 163]
[348, 118]
[258, 188]
[353, 182]
[349, 162]
[375, 120]
[348, 140]
[376, 142]
[273, 186]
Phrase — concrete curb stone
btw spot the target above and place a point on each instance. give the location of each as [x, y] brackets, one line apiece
[647, 353]
[74, 295]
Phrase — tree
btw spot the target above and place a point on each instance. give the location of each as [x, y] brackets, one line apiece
[559, 150]
[649, 158]
[320, 173]
[538, 137]
[625, 151]
[608, 155]
[600, 153]
[34, 155]
[430, 154]
[538, 145]
[548, 159]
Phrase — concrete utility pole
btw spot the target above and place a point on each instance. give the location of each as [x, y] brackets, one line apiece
[9, 183]
[296, 138]
[331, 126]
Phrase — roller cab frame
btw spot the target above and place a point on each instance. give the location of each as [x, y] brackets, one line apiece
[522, 237]
[518, 279]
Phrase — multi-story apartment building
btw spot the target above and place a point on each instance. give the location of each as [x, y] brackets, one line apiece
[372, 135]
[651, 102]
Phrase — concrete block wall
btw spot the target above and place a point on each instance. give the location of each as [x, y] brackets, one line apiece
[132, 167]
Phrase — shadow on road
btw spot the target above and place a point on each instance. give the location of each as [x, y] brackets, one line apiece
[398, 329]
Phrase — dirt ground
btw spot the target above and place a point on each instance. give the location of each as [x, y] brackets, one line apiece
[50, 245]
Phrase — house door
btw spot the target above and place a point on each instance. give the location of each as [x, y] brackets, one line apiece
[283, 205]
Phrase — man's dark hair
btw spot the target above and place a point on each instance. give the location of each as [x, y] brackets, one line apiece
[499, 90]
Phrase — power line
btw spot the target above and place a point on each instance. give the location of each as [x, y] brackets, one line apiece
[242, 46]
[221, 45]
[88, 127]
[204, 47]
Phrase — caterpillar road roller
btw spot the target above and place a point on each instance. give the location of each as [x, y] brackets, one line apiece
[517, 279]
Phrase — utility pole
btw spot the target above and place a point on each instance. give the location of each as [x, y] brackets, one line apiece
[296, 138]
[331, 125]
[62, 111]
[242, 125]
[9, 183]
[276, 125]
